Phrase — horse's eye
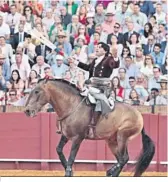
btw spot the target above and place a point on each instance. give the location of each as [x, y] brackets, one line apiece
[36, 92]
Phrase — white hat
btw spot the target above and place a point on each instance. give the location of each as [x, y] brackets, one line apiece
[59, 57]
[90, 15]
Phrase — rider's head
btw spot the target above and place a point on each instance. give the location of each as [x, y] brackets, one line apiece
[102, 49]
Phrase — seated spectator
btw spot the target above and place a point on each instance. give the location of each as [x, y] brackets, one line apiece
[48, 73]
[142, 92]
[80, 50]
[131, 67]
[13, 98]
[133, 42]
[32, 77]
[125, 52]
[83, 33]
[164, 67]
[142, 81]
[139, 57]
[37, 7]
[2, 98]
[41, 30]
[160, 36]
[93, 44]
[4, 29]
[147, 30]
[82, 14]
[133, 98]
[2, 81]
[48, 20]
[154, 24]
[16, 81]
[71, 7]
[160, 15]
[156, 99]
[22, 67]
[115, 84]
[147, 68]
[72, 28]
[67, 76]
[149, 47]
[124, 81]
[88, 5]
[5, 68]
[81, 79]
[59, 68]
[28, 47]
[66, 18]
[61, 41]
[19, 36]
[114, 44]
[103, 35]
[153, 81]
[157, 54]
[117, 33]
[40, 66]
[6, 49]
[163, 86]
[90, 25]
[99, 15]
[54, 29]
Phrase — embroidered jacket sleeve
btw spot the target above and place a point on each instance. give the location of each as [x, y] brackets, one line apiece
[114, 62]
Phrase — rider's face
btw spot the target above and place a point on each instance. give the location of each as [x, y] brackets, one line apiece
[100, 51]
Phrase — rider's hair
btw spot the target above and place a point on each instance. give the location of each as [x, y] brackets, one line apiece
[105, 47]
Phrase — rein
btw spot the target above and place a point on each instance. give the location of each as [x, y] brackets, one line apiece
[76, 108]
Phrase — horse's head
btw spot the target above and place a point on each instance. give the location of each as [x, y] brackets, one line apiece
[37, 99]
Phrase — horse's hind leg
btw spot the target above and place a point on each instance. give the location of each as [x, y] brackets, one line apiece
[119, 149]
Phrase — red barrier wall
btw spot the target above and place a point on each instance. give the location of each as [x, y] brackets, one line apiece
[25, 143]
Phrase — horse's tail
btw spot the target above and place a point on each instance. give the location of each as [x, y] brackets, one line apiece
[146, 155]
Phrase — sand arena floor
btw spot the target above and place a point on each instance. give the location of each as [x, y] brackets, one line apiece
[61, 173]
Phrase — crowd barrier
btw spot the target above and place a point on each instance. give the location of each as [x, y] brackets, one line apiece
[30, 143]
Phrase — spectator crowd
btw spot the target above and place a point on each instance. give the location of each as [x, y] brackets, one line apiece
[136, 31]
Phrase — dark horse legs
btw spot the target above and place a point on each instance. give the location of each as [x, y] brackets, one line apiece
[76, 141]
[59, 149]
[119, 149]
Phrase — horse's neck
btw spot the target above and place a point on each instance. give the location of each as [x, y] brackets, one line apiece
[61, 102]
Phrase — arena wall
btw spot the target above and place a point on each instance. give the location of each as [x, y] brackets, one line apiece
[30, 143]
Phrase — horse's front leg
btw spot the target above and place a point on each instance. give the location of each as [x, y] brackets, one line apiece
[59, 149]
[76, 142]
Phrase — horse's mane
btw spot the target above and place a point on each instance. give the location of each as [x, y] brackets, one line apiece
[70, 86]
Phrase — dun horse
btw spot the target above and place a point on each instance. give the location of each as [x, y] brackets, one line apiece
[122, 125]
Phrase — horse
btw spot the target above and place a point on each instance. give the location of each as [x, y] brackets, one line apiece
[123, 124]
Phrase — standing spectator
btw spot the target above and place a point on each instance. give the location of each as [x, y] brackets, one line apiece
[40, 66]
[157, 54]
[24, 69]
[5, 68]
[65, 17]
[99, 15]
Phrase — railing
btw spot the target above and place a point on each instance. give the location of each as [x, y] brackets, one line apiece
[143, 109]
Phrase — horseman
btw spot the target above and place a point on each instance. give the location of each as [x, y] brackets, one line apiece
[100, 71]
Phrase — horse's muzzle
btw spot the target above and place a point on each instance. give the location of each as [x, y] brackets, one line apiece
[30, 113]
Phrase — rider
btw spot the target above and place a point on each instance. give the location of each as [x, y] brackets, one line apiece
[101, 67]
